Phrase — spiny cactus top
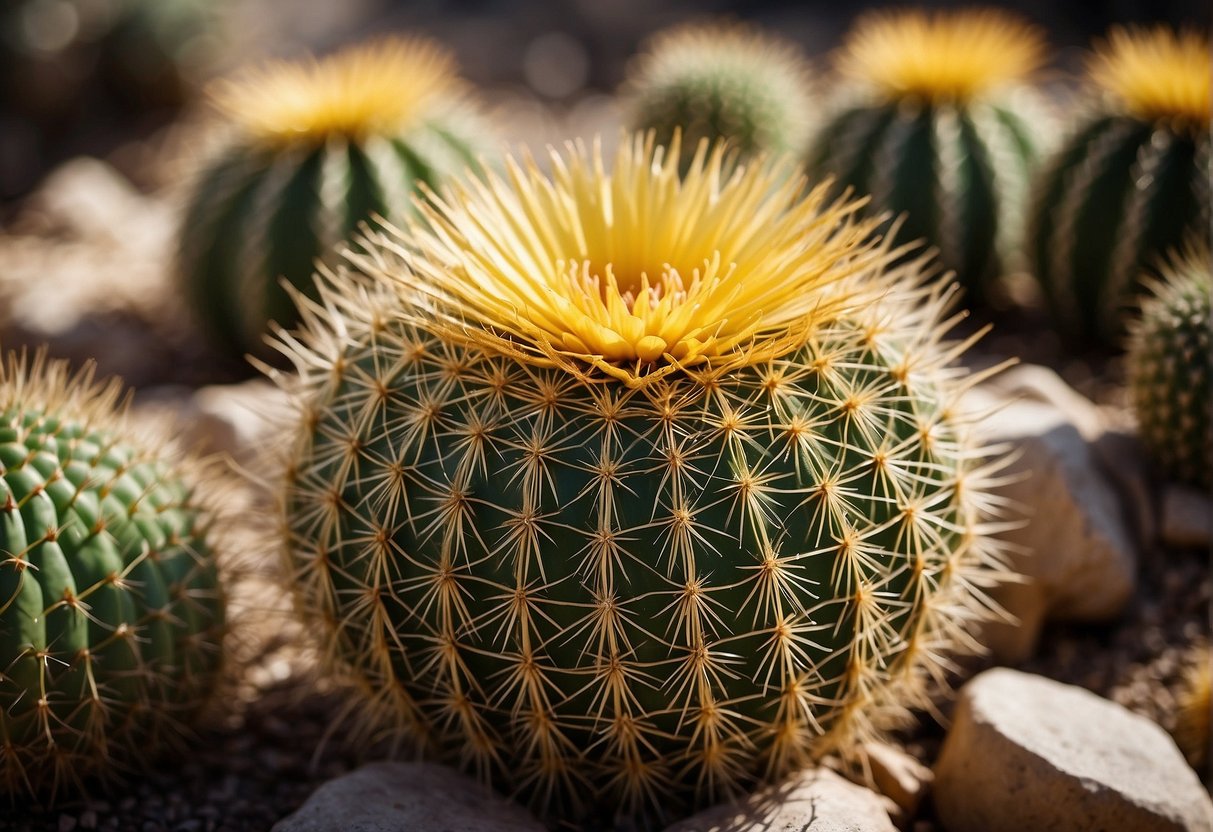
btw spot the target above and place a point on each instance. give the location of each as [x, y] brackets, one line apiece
[319, 147]
[629, 489]
[932, 118]
[714, 81]
[1170, 365]
[1130, 183]
[111, 615]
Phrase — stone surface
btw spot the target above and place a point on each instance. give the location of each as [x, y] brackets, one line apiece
[1032, 382]
[1187, 517]
[1122, 458]
[1025, 752]
[1072, 543]
[898, 776]
[816, 799]
[407, 797]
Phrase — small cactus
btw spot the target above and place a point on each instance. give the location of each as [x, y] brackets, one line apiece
[1130, 183]
[111, 614]
[721, 81]
[320, 147]
[627, 490]
[932, 117]
[1194, 713]
[1170, 364]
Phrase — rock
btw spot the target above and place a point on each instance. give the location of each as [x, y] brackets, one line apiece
[898, 776]
[1040, 384]
[407, 797]
[234, 419]
[1122, 458]
[1073, 545]
[1026, 752]
[84, 197]
[1187, 517]
[816, 799]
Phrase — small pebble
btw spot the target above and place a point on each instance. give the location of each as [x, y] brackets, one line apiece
[66, 823]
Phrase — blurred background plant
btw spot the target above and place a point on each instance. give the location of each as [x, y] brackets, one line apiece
[92, 76]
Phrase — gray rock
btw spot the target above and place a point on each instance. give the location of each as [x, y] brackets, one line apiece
[407, 797]
[1123, 459]
[1026, 752]
[1073, 546]
[815, 799]
[1187, 517]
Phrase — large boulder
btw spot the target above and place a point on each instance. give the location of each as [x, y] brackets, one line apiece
[1026, 752]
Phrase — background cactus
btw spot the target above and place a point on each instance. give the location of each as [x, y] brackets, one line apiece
[110, 609]
[933, 119]
[320, 148]
[721, 81]
[1131, 182]
[1170, 365]
[628, 490]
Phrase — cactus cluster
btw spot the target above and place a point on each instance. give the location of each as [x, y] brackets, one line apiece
[1130, 183]
[933, 119]
[721, 81]
[111, 614]
[1170, 365]
[319, 148]
[628, 490]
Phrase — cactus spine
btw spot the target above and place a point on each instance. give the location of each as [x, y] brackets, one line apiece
[933, 120]
[1170, 365]
[1130, 183]
[628, 490]
[319, 148]
[716, 81]
[110, 608]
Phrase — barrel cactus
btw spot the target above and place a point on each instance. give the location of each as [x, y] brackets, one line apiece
[721, 81]
[1131, 181]
[319, 148]
[111, 613]
[934, 119]
[1170, 364]
[627, 490]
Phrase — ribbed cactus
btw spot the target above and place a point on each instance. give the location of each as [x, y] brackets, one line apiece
[627, 490]
[721, 81]
[1131, 182]
[319, 148]
[932, 118]
[111, 614]
[1170, 366]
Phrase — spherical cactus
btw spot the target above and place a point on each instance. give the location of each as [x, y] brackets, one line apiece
[320, 147]
[1131, 182]
[933, 119]
[628, 490]
[721, 81]
[1195, 710]
[1170, 365]
[111, 614]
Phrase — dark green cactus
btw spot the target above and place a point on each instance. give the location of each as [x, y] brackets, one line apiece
[932, 120]
[620, 525]
[1170, 365]
[320, 148]
[111, 615]
[1130, 183]
[721, 81]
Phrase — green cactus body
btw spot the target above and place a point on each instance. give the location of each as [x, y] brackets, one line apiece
[937, 128]
[957, 175]
[280, 197]
[1130, 183]
[721, 82]
[110, 609]
[1170, 365]
[611, 592]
